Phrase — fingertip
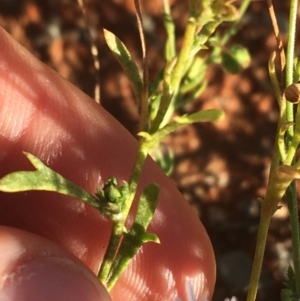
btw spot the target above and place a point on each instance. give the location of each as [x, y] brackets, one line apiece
[39, 270]
[52, 278]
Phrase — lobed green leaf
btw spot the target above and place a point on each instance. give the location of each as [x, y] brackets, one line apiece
[45, 179]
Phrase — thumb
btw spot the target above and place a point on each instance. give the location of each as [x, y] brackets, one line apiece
[34, 268]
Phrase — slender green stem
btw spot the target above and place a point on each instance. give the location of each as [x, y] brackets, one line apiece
[115, 237]
[119, 226]
[291, 192]
[293, 209]
[170, 51]
[291, 42]
[279, 147]
[174, 75]
[293, 146]
[184, 54]
[258, 258]
[136, 175]
[94, 51]
[178, 71]
[292, 151]
[290, 54]
[144, 118]
[166, 98]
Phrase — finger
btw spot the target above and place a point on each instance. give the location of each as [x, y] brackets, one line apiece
[33, 268]
[43, 114]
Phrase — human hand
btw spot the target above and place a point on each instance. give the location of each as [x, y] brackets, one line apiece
[51, 246]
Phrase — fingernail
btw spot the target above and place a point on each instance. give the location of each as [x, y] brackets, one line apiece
[52, 278]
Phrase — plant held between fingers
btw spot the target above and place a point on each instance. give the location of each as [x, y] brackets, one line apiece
[181, 80]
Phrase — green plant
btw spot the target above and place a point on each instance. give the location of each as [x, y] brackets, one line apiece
[182, 80]
[285, 167]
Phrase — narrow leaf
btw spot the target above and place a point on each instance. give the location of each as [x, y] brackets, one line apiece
[203, 116]
[147, 205]
[124, 58]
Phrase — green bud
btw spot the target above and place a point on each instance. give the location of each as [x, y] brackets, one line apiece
[112, 194]
[236, 59]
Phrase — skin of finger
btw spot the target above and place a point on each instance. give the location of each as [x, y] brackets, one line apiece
[43, 114]
[25, 260]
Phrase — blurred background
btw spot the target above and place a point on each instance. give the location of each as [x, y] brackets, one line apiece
[221, 168]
